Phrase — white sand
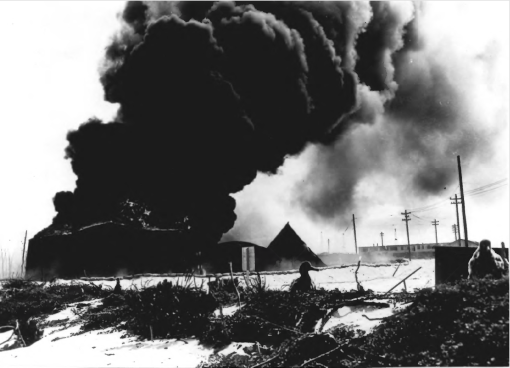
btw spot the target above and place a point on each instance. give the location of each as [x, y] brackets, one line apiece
[59, 348]
[378, 279]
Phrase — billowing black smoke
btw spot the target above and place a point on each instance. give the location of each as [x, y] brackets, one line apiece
[212, 93]
[209, 94]
[410, 122]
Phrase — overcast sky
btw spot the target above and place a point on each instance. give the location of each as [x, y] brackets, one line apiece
[49, 84]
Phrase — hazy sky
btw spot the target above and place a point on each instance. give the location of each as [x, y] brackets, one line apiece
[49, 84]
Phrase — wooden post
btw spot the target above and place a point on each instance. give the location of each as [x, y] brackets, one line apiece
[398, 266]
[360, 288]
[463, 202]
[233, 282]
[244, 259]
[407, 219]
[23, 255]
[458, 222]
[251, 259]
[435, 223]
[355, 241]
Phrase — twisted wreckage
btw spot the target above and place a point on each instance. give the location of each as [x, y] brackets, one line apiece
[109, 248]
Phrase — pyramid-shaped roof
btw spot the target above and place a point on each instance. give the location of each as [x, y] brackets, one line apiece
[287, 244]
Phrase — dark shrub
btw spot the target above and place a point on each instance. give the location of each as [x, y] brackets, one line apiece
[16, 283]
[217, 334]
[456, 325]
[171, 311]
[24, 301]
[224, 291]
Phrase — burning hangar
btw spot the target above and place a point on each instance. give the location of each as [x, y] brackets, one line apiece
[109, 248]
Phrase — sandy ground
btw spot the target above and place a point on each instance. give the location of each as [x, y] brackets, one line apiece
[59, 347]
[378, 279]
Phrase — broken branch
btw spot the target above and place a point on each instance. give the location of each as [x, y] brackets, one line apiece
[235, 286]
[264, 363]
[320, 356]
[402, 281]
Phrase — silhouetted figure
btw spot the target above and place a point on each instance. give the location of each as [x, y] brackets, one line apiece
[304, 282]
[118, 288]
[485, 261]
[505, 259]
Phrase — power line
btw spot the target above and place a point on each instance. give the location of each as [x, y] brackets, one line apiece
[486, 191]
[486, 186]
[475, 191]
[419, 218]
[426, 208]
[433, 208]
[427, 219]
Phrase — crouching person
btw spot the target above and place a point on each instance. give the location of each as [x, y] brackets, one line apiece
[486, 262]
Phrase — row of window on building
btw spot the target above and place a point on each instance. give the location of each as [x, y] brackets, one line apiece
[414, 248]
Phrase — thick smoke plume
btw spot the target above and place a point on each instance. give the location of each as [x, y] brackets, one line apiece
[209, 94]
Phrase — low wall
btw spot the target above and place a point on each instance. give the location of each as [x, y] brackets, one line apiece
[235, 274]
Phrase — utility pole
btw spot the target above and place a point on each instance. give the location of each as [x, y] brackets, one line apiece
[354, 226]
[456, 203]
[395, 235]
[463, 202]
[407, 219]
[435, 223]
[454, 230]
[23, 254]
[382, 242]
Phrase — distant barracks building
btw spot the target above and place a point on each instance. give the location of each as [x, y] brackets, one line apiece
[418, 251]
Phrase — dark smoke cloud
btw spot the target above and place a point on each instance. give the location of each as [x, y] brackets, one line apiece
[209, 94]
[410, 120]
[375, 47]
[212, 93]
